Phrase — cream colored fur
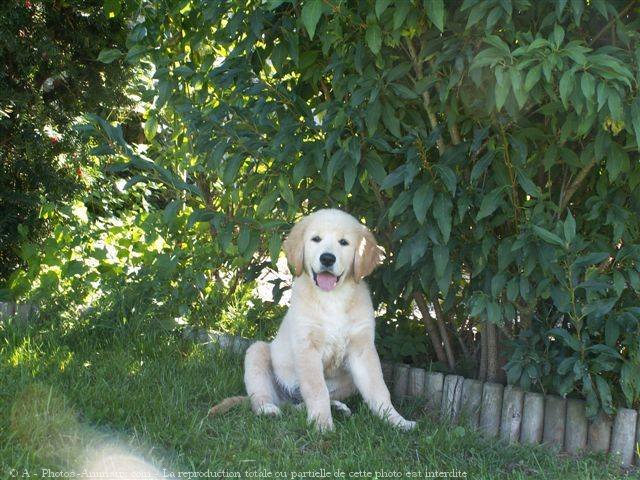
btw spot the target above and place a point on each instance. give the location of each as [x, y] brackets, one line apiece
[324, 347]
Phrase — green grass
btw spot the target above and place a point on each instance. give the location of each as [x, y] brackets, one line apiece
[64, 398]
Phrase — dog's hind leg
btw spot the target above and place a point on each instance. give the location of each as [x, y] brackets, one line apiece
[258, 380]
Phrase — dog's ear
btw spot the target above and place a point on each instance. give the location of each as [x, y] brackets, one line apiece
[367, 257]
[294, 246]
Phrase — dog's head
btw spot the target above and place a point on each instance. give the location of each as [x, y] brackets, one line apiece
[331, 247]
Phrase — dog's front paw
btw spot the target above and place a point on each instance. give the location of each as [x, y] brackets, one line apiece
[405, 425]
[269, 409]
[341, 407]
[324, 424]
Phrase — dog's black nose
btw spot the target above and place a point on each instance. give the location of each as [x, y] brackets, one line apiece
[327, 259]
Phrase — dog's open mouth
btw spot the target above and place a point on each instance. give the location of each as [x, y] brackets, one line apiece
[326, 281]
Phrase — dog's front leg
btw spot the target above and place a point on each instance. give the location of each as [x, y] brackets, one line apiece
[364, 366]
[313, 388]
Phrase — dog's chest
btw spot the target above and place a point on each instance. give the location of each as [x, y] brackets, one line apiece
[336, 341]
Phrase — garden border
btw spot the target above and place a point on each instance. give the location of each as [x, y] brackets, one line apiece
[507, 412]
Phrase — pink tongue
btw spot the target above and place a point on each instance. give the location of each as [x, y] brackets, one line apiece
[326, 281]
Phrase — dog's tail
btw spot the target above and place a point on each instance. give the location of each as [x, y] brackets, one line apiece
[226, 405]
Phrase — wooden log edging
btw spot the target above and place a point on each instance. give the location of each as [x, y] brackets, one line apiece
[491, 409]
[623, 436]
[451, 397]
[19, 312]
[507, 412]
[471, 401]
[525, 417]
[512, 405]
[532, 418]
[576, 425]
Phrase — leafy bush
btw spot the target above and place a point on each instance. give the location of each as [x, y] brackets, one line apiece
[492, 146]
[49, 77]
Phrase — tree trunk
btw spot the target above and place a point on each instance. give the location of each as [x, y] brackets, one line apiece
[431, 328]
[492, 352]
[451, 361]
[482, 370]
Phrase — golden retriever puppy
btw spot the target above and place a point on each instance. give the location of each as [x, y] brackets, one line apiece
[324, 349]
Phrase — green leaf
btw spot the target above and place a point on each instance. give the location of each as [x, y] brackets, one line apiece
[442, 211]
[590, 259]
[381, 6]
[285, 191]
[497, 284]
[400, 204]
[570, 340]
[422, 200]
[435, 12]
[311, 13]
[404, 92]
[372, 117]
[478, 305]
[274, 247]
[244, 238]
[400, 13]
[448, 177]
[635, 120]
[494, 313]
[588, 86]
[615, 105]
[108, 55]
[201, 216]
[481, 165]
[231, 169]
[490, 202]
[394, 178]
[501, 93]
[527, 184]
[617, 162]
[619, 283]
[171, 211]
[391, 121]
[605, 394]
[567, 83]
[216, 155]
[558, 35]
[267, 203]
[151, 127]
[375, 168]
[350, 172]
[611, 332]
[569, 228]
[517, 88]
[532, 78]
[548, 236]
[373, 37]
[440, 259]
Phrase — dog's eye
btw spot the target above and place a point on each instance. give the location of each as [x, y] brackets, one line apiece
[343, 242]
[316, 239]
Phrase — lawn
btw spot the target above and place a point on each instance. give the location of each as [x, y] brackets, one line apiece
[76, 398]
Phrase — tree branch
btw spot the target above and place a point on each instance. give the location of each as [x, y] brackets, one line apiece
[426, 98]
[623, 12]
[575, 185]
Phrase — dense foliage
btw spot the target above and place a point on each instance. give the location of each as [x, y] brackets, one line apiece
[492, 146]
[48, 51]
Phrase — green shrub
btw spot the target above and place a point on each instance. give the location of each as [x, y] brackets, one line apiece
[492, 146]
[49, 77]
